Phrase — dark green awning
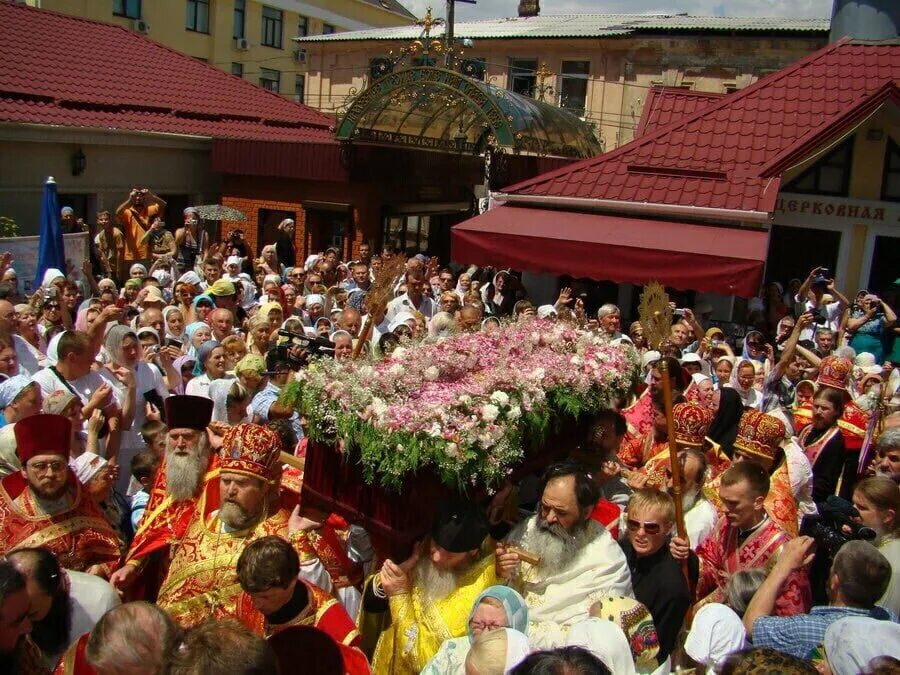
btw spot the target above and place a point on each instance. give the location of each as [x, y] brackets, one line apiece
[429, 107]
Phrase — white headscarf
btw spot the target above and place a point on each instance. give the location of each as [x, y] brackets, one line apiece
[189, 277]
[86, 466]
[169, 334]
[490, 647]
[715, 633]
[606, 641]
[51, 275]
[53, 349]
[852, 642]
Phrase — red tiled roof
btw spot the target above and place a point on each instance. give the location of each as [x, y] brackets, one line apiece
[63, 70]
[722, 156]
[665, 105]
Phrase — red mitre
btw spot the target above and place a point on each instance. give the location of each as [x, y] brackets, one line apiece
[250, 449]
[834, 372]
[759, 436]
[43, 435]
[691, 424]
[188, 412]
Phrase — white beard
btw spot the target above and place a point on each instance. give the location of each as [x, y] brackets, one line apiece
[556, 547]
[690, 498]
[184, 474]
[436, 583]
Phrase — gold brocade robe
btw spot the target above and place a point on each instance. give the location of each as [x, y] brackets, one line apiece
[419, 627]
[202, 580]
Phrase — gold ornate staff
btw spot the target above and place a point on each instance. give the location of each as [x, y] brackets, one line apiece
[656, 319]
[378, 296]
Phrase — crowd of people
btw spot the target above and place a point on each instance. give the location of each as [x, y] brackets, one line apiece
[149, 511]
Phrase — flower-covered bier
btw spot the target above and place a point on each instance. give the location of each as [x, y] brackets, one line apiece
[468, 405]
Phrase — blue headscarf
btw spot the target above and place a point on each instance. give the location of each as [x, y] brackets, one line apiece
[189, 331]
[202, 355]
[513, 604]
[203, 296]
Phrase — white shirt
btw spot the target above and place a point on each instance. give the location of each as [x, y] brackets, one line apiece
[832, 311]
[85, 385]
[700, 521]
[29, 358]
[402, 303]
[199, 386]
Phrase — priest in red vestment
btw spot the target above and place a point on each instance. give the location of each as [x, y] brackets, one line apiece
[744, 538]
[202, 580]
[189, 464]
[44, 504]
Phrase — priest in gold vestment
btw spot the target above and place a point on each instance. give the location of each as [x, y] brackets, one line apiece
[202, 580]
[427, 599]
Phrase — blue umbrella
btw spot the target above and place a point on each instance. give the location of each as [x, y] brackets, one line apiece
[51, 252]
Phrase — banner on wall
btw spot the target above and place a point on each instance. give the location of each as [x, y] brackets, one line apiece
[24, 252]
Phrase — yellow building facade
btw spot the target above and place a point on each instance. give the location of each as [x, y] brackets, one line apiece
[247, 38]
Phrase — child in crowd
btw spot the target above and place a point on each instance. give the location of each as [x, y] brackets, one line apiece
[143, 469]
[154, 434]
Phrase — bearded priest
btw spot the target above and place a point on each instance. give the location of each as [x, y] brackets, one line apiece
[428, 598]
[202, 580]
[578, 561]
[189, 464]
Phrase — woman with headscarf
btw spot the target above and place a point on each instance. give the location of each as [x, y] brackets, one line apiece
[136, 383]
[724, 427]
[700, 391]
[635, 620]
[259, 334]
[268, 260]
[197, 333]
[174, 323]
[184, 365]
[499, 296]
[606, 641]
[26, 323]
[202, 306]
[743, 378]
[852, 643]
[274, 314]
[210, 366]
[716, 632]
[496, 607]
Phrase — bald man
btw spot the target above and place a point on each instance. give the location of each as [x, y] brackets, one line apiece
[222, 323]
[27, 355]
[350, 320]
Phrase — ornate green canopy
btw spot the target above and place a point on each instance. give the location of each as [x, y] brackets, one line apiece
[428, 107]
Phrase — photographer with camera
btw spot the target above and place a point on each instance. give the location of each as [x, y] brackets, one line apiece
[191, 241]
[858, 577]
[868, 325]
[812, 299]
[281, 362]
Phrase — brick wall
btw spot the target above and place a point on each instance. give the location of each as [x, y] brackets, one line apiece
[250, 207]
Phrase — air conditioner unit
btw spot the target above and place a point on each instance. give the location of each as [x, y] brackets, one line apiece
[242, 44]
[140, 26]
[300, 55]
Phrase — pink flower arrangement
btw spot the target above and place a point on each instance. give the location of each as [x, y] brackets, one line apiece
[465, 405]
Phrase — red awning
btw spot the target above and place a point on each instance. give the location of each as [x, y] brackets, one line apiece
[686, 256]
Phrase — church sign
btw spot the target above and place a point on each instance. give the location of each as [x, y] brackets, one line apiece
[812, 210]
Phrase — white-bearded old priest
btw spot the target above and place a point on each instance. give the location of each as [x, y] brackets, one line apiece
[579, 563]
[430, 596]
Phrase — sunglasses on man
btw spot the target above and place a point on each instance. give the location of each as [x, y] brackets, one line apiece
[649, 528]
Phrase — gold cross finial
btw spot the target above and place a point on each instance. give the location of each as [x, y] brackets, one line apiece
[429, 22]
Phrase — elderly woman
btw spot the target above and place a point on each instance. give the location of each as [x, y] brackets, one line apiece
[269, 261]
[197, 333]
[26, 323]
[496, 607]
[98, 476]
[867, 325]
[743, 378]
[315, 308]
[174, 321]
[210, 366]
[259, 334]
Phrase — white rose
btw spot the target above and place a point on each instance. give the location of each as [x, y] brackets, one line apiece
[489, 412]
[465, 399]
[432, 373]
[538, 373]
[435, 430]
[576, 361]
[395, 369]
[399, 353]
[501, 398]
[514, 413]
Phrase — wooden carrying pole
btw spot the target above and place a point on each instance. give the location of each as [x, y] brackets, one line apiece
[674, 464]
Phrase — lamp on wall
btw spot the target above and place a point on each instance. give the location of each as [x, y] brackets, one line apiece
[79, 163]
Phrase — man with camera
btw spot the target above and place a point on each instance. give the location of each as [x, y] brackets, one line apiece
[265, 405]
[858, 578]
[811, 298]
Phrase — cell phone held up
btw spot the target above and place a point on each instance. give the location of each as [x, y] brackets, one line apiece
[173, 342]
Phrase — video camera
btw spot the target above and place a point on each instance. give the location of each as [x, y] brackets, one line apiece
[298, 349]
[828, 526]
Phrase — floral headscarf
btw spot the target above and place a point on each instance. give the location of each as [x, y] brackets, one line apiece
[513, 604]
[635, 621]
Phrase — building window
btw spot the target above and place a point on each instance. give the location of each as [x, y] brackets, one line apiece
[328, 29]
[522, 78]
[302, 26]
[573, 86]
[130, 9]
[237, 69]
[299, 88]
[890, 185]
[829, 176]
[239, 19]
[198, 16]
[272, 22]
[270, 79]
